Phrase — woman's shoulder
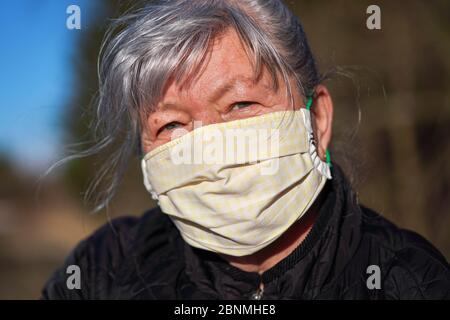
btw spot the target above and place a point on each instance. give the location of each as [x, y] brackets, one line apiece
[393, 238]
[95, 261]
[405, 258]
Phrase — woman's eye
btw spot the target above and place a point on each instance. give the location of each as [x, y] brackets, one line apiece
[241, 105]
[170, 126]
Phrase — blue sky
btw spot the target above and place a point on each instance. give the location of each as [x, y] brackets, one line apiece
[36, 78]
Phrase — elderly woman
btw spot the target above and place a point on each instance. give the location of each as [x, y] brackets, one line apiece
[234, 127]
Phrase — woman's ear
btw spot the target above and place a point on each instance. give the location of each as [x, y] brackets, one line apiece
[322, 110]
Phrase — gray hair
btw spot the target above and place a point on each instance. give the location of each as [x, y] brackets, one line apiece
[168, 39]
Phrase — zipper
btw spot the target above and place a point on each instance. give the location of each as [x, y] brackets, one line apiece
[258, 294]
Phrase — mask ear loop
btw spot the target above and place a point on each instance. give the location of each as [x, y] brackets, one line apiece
[327, 152]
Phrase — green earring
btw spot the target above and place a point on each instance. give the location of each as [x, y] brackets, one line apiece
[327, 152]
[328, 158]
[309, 103]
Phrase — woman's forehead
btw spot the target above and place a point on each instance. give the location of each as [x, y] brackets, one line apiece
[227, 68]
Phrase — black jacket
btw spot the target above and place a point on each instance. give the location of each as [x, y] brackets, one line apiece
[146, 258]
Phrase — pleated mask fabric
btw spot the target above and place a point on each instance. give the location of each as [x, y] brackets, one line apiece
[237, 186]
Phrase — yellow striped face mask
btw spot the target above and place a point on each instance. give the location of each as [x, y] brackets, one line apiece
[235, 187]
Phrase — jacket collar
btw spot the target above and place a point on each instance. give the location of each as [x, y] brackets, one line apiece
[327, 248]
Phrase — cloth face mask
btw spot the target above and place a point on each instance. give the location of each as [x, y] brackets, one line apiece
[235, 187]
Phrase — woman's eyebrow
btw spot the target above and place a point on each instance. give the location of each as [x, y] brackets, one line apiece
[228, 86]
[223, 89]
[232, 84]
